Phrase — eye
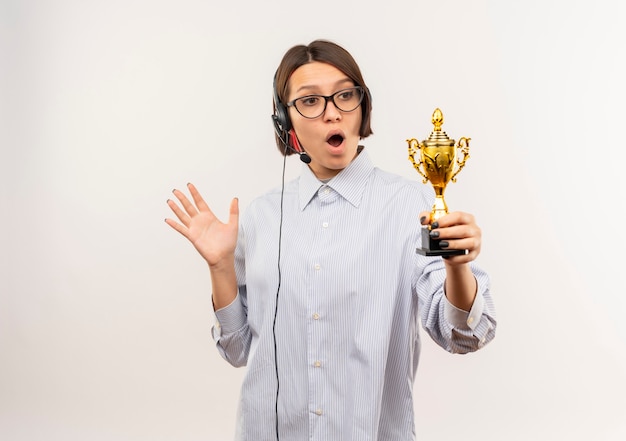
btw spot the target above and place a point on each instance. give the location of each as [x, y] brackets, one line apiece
[346, 95]
[311, 100]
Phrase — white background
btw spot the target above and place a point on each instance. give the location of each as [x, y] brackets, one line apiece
[106, 106]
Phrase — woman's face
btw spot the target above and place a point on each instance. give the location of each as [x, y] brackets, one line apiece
[331, 140]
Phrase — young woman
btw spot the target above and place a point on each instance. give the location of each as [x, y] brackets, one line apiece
[318, 289]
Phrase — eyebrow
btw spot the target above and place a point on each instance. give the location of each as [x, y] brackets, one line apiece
[313, 87]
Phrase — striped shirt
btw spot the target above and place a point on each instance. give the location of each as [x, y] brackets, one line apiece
[352, 294]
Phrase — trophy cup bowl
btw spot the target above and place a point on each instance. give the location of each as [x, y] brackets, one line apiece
[438, 162]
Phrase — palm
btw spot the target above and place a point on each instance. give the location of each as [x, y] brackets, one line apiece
[213, 239]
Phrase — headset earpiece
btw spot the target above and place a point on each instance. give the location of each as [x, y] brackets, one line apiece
[284, 130]
[281, 115]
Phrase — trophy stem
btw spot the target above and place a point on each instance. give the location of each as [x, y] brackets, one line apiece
[440, 208]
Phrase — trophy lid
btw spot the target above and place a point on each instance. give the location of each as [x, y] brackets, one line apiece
[438, 137]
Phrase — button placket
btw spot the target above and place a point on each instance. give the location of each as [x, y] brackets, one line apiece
[326, 197]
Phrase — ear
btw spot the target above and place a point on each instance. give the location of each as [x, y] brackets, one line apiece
[293, 140]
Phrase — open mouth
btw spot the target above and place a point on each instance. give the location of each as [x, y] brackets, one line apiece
[335, 140]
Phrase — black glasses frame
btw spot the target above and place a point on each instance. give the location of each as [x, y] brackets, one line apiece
[292, 103]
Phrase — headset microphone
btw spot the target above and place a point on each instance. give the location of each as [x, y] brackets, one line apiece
[294, 145]
[305, 158]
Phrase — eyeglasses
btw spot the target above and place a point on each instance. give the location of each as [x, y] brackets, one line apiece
[312, 106]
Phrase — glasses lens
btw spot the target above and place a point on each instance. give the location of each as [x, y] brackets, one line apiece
[310, 106]
[348, 99]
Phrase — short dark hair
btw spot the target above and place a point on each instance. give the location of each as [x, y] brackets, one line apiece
[326, 52]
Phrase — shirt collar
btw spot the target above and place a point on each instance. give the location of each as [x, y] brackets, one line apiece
[349, 183]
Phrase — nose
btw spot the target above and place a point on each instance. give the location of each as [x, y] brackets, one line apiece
[332, 113]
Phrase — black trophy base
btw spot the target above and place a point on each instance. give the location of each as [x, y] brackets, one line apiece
[430, 247]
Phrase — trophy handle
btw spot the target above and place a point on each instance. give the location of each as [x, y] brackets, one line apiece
[414, 147]
[463, 145]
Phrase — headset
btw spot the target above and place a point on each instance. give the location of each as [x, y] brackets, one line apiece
[284, 129]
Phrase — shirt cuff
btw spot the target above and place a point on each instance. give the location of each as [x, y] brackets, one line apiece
[462, 319]
[230, 318]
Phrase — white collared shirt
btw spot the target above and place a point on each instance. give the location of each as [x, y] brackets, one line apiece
[352, 293]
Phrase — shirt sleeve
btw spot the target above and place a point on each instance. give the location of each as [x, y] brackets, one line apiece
[231, 331]
[454, 329]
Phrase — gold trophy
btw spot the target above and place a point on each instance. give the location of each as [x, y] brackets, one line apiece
[438, 163]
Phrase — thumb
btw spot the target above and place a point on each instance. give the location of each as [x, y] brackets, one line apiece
[233, 217]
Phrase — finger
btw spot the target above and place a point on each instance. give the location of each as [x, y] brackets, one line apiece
[471, 244]
[182, 216]
[424, 217]
[455, 218]
[178, 227]
[456, 232]
[233, 217]
[197, 198]
[460, 259]
[188, 206]
[472, 252]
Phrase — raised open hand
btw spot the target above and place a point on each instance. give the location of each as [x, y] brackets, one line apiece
[214, 240]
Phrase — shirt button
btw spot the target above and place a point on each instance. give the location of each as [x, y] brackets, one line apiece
[318, 412]
[326, 191]
[317, 267]
[317, 364]
[470, 320]
[325, 225]
[316, 316]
